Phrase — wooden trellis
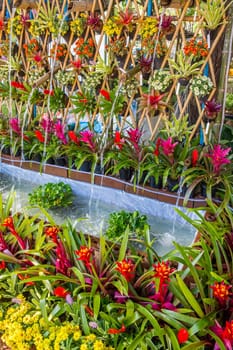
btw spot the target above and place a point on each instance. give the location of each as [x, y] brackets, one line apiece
[178, 98]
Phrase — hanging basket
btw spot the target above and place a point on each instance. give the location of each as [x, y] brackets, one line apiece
[26, 4]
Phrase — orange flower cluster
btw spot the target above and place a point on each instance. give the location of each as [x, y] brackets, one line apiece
[32, 47]
[84, 48]
[58, 51]
[199, 49]
[221, 291]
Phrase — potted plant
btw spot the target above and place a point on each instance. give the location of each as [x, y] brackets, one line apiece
[201, 85]
[184, 67]
[160, 80]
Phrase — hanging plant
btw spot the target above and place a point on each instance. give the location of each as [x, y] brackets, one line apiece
[201, 85]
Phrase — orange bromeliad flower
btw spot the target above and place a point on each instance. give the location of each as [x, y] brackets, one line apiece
[126, 269]
[163, 270]
[52, 232]
[84, 254]
[9, 223]
[221, 291]
[117, 331]
[228, 331]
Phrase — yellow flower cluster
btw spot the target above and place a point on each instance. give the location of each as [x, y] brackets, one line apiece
[15, 25]
[21, 327]
[111, 27]
[36, 29]
[77, 26]
[148, 27]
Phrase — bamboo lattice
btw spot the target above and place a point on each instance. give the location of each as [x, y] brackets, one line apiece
[179, 99]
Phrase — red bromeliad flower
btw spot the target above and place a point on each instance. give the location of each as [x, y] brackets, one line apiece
[145, 64]
[48, 92]
[60, 292]
[72, 135]
[17, 85]
[84, 254]
[125, 17]
[153, 101]
[105, 94]
[118, 141]
[225, 334]
[63, 263]
[77, 64]
[9, 223]
[37, 58]
[163, 271]
[221, 291]
[212, 108]
[218, 156]
[182, 335]
[2, 265]
[158, 143]
[87, 137]
[117, 331]
[40, 137]
[134, 135]
[52, 232]
[126, 268]
[195, 156]
[1, 24]
[168, 147]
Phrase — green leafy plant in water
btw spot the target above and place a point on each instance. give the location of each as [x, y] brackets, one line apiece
[51, 195]
[118, 221]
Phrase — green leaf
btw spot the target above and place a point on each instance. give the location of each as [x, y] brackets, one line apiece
[96, 305]
[124, 245]
[189, 297]
[84, 322]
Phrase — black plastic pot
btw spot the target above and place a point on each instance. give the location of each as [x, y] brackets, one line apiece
[86, 166]
[153, 184]
[125, 174]
[61, 161]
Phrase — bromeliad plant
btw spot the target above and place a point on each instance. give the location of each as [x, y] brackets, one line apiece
[110, 296]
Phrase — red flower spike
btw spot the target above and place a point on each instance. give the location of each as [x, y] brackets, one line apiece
[194, 157]
[2, 265]
[17, 85]
[73, 136]
[221, 291]
[118, 141]
[158, 143]
[228, 331]
[105, 94]
[49, 92]
[126, 269]
[60, 292]
[40, 137]
[84, 254]
[77, 64]
[9, 223]
[182, 335]
[117, 331]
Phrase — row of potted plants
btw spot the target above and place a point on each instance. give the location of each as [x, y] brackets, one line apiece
[63, 290]
[172, 161]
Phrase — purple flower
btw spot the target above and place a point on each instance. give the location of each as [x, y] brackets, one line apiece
[93, 324]
[59, 132]
[218, 157]
[166, 22]
[14, 124]
[87, 137]
[162, 299]
[212, 107]
[69, 299]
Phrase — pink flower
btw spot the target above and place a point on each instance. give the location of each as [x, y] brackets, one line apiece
[59, 132]
[46, 124]
[14, 124]
[168, 147]
[134, 135]
[218, 157]
[87, 137]
[62, 264]
[225, 334]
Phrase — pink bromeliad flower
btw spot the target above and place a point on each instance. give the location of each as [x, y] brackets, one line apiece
[168, 147]
[134, 137]
[14, 124]
[218, 156]
[87, 137]
[46, 123]
[59, 132]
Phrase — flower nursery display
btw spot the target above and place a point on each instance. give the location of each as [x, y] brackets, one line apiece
[128, 94]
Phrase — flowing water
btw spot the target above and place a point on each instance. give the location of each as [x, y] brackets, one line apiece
[93, 204]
